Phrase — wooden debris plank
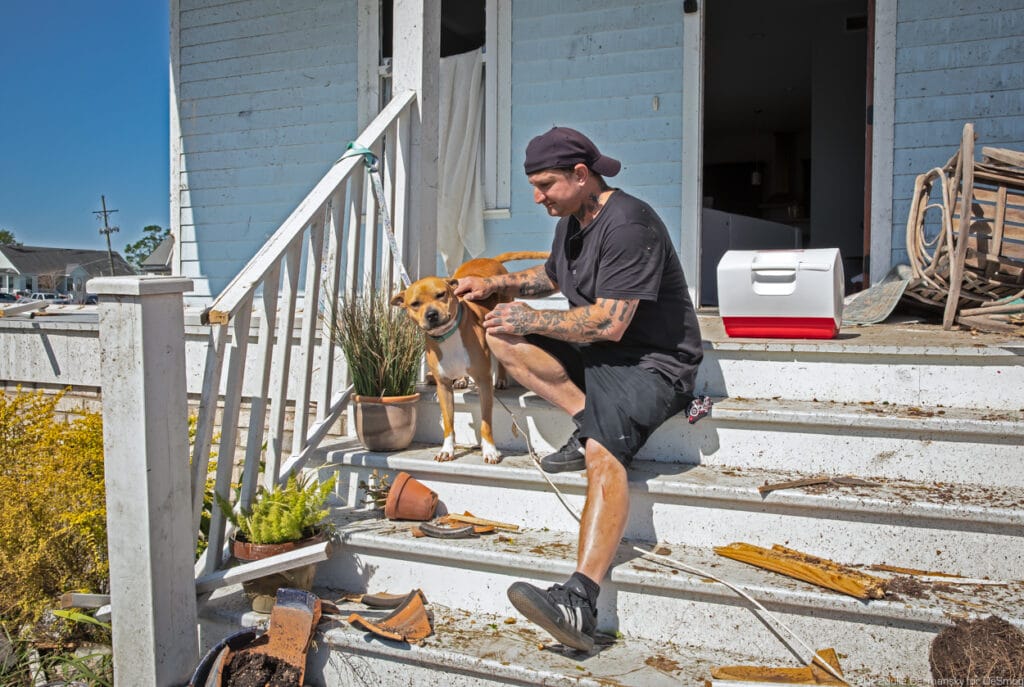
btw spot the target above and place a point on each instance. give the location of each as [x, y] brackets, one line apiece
[959, 248]
[1003, 194]
[792, 484]
[289, 560]
[961, 602]
[79, 600]
[987, 324]
[1004, 156]
[882, 567]
[811, 674]
[993, 309]
[819, 571]
[22, 308]
[470, 520]
[966, 581]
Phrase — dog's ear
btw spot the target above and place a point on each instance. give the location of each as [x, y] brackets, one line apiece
[453, 283]
[399, 300]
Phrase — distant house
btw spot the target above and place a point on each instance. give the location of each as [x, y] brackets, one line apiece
[159, 261]
[64, 270]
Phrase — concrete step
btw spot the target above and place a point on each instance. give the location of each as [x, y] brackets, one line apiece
[970, 530]
[881, 439]
[905, 363]
[648, 600]
[470, 649]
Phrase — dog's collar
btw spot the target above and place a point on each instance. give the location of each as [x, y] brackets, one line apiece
[440, 338]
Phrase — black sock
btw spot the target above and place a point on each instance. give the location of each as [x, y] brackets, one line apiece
[578, 418]
[591, 588]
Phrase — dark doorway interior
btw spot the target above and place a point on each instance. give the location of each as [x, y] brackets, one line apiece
[784, 123]
[463, 26]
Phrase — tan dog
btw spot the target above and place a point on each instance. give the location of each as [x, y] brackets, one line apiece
[455, 342]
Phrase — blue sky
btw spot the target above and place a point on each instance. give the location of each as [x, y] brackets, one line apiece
[83, 113]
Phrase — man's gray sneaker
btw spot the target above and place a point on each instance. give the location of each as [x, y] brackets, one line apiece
[570, 457]
[562, 610]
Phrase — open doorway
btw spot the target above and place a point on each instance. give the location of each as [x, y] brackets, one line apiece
[784, 130]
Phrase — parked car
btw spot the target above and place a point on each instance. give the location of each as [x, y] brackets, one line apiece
[7, 297]
[50, 297]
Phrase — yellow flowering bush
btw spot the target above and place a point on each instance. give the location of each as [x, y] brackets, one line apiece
[53, 535]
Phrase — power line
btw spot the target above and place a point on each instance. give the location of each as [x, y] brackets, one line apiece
[107, 230]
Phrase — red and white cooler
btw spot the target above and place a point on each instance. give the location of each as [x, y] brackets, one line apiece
[791, 294]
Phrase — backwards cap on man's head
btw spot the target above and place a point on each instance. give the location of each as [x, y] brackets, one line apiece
[563, 147]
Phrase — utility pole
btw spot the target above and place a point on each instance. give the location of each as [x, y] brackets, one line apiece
[107, 230]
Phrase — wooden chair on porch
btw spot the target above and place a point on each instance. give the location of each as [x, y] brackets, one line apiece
[972, 268]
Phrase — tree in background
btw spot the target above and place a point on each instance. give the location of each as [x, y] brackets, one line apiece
[7, 238]
[152, 236]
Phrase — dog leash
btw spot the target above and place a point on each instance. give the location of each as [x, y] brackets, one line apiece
[695, 413]
[373, 169]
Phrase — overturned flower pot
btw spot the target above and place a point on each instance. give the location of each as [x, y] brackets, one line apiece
[409, 499]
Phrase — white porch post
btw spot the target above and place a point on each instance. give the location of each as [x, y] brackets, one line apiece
[415, 65]
[693, 152]
[149, 516]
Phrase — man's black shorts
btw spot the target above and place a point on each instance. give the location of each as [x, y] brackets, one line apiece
[625, 402]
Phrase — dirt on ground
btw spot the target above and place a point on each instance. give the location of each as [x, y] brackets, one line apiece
[988, 651]
[904, 585]
[260, 670]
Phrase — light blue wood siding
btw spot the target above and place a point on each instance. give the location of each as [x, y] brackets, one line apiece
[596, 66]
[956, 62]
[267, 102]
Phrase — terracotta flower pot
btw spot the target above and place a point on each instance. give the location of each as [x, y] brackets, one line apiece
[385, 423]
[263, 589]
[409, 499]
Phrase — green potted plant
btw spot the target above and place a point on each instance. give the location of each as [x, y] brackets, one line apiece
[286, 517]
[383, 349]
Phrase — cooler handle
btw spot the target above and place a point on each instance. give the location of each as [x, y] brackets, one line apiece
[791, 265]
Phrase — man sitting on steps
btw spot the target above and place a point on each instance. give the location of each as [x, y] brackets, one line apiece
[620, 361]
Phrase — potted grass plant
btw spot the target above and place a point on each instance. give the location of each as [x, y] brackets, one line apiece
[286, 517]
[383, 349]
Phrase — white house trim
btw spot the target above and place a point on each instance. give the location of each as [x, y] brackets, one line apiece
[498, 108]
[368, 62]
[883, 132]
[693, 146]
[175, 134]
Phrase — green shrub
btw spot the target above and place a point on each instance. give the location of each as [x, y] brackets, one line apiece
[53, 535]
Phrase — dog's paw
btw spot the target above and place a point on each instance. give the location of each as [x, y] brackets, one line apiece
[491, 453]
[500, 382]
[447, 450]
[461, 383]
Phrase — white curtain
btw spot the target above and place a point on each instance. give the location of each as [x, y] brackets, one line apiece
[460, 211]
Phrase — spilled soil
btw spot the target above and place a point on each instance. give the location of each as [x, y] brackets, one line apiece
[260, 670]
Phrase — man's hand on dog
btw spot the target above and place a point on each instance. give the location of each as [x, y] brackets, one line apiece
[510, 318]
[474, 288]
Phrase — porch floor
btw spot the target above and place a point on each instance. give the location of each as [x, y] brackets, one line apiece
[895, 333]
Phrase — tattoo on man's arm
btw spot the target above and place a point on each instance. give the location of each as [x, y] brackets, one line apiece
[534, 282]
[582, 325]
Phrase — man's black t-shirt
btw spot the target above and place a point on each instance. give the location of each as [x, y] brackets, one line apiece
[626, 253]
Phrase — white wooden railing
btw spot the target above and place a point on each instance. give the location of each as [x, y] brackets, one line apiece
[332, 245]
